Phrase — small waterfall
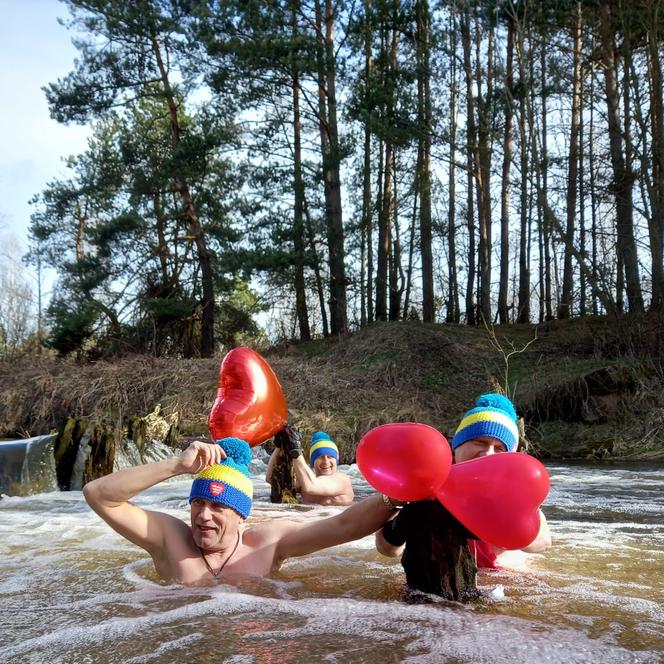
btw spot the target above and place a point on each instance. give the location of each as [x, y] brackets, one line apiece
[156, 451]
[27, 466]
[126, 455]
[78, 469]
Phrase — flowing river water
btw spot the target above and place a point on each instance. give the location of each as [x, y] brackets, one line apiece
[71, 590]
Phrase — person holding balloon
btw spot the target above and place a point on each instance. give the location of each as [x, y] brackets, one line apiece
[320, 483]
[249, 409]
[216, 543]
[488, 429]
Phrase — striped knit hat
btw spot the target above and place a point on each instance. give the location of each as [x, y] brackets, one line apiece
[321, 444]
[228, 482]
[493, 416]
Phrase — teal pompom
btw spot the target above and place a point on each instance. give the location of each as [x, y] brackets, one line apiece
[237, 450]
[498, 401]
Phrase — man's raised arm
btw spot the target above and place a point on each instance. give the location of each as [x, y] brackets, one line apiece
[109, 496]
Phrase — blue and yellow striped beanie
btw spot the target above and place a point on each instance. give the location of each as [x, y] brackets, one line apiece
[321, 444]
[493, 416]
[228, 482]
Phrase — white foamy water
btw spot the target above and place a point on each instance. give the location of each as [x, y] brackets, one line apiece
[71, 590]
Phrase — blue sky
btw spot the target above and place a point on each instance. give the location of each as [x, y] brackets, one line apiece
[34, 50]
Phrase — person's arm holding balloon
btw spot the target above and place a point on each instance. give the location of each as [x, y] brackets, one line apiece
[542, 542]
[390, 541]
[307, 536]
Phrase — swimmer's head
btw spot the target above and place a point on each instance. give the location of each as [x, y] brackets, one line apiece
[321, 444]
[229, 482]
[492, 421]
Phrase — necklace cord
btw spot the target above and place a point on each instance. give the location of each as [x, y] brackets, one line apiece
[218, 572]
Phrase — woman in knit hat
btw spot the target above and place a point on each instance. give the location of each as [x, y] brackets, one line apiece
[217, 544]
[320, 483]
[490, 427]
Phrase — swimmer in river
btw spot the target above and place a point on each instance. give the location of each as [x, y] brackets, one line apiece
[217, 542]
[488, 428]
[322, 483]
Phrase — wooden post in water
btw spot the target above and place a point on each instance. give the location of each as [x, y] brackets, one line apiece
[282, 482]
[102, 453]
[437, 558]
[65, 449]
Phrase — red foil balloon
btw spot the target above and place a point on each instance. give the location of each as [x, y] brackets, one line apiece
[404, 460]
[250, 403]
[497, 497]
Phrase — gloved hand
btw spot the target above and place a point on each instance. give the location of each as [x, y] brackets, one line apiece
[292, 441]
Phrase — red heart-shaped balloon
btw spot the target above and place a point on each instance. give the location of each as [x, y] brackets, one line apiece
[250, 403]
[497, 497]
[404, 460]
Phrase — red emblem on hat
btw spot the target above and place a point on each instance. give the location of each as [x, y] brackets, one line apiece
[216, 488]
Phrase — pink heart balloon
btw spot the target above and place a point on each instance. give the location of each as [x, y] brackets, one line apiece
[497, 497]
[404, 460]
[250, 403]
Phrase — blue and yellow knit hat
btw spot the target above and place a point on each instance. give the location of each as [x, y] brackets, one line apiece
[493, 416]
[228, 482]
[321, 444]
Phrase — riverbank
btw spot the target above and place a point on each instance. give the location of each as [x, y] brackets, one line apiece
[589, 388]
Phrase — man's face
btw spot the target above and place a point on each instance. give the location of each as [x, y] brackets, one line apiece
[478, 447]
[325, 465]
[213, 525]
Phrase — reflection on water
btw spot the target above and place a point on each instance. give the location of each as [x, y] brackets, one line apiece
[71, 590]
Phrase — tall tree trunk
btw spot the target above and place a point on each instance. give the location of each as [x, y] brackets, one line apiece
[473, 164]
[622, 178]
[545, 230]
[383, 237]
[453, 309]
[422, 39]
[298, 189]
[656, 222]
[523, 313]
[394, 251]
[366, 314]
[503, 308]
[593, 191]
[565, 303]
[195, 230]
[411, 251]
[396, 269]
[583, 281]
[483, 170]
[331, 167]
[385, 218]
[320, 288]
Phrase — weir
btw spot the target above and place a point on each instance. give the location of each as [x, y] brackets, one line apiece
[28, 466]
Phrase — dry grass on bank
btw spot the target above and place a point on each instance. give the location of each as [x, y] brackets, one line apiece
[390, 372]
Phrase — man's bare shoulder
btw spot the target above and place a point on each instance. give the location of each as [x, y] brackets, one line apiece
[269, 532]
[176, 533]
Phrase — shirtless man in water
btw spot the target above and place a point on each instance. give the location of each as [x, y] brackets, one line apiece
[320, 484]
[220, 499]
